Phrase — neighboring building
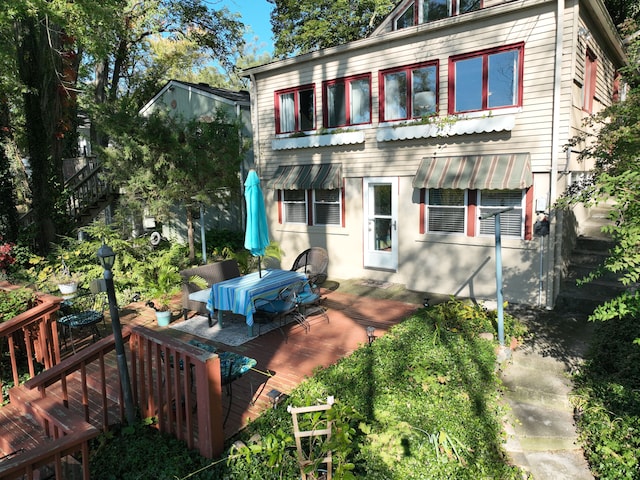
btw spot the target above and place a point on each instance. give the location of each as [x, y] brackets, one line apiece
[200, 101]
[387, 150]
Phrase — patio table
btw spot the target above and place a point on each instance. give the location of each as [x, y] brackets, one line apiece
[237, 294]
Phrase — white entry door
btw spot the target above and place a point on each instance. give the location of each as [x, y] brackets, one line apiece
[380, 222]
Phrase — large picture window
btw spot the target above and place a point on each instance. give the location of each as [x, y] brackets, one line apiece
[446, 210]
[486, 80]
[295, 110]
[347, 101]
[511, 221]
[409, 92]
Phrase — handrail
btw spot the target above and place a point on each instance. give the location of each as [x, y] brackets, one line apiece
[40, 332]
[175, 394]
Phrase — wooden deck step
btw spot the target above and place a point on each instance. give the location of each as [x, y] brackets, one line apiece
[20, 432]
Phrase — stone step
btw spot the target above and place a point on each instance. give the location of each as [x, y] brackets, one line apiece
[539, 428]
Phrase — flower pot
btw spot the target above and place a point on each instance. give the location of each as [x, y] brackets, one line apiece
[163, 318]
[68, 290]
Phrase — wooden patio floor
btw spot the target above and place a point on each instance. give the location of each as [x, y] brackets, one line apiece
[292, 359]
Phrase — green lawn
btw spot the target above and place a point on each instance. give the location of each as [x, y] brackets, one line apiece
[422, 402]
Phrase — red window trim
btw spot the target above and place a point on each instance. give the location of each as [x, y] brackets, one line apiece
[310, 217]
[485, 76]
[590, 79]
[408, 69]
[296, 99]
[325, 104]
[472, 213]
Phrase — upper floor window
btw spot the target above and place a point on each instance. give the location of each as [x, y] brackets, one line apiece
[589, 84]
[486, 80]
[423, 11]
[511, 221]
[409, 92]
[446, 210]
[295, 109]
[347, 101]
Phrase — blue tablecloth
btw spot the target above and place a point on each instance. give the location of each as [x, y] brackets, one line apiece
[237, 295]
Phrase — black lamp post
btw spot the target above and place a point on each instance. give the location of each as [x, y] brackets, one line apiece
[107, 258]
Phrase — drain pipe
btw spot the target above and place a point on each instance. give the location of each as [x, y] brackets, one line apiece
[555, 149]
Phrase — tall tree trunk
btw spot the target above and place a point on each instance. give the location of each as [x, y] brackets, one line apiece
[50, 112]
[192, 248]
[8, 209]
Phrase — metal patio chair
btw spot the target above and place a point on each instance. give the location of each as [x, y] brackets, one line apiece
[313, 262]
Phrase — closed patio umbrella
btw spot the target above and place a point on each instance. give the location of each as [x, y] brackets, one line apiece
[256, 236]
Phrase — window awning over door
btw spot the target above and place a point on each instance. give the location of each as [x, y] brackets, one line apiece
[482, 172]
[304, 177]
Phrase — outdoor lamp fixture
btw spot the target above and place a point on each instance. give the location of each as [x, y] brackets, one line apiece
[107, 258]
[371, 334]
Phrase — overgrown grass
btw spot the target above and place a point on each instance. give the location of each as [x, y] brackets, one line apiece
[607, 399]
[422, 402]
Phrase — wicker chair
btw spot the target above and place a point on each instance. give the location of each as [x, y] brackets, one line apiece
[313, 262]
[211, 273]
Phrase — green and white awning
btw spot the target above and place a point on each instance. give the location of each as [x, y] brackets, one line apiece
[304, 177]
[509, 171]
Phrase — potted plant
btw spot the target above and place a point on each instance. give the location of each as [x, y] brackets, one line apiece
[66, 281]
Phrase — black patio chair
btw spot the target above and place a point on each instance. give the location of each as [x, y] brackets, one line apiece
[309, 300]
[84, 311]
[313, 262]
[278, 308]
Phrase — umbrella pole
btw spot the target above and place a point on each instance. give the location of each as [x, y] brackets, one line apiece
[259, 269]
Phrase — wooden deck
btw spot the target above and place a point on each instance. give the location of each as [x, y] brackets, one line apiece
[295, 357]
[289, 360]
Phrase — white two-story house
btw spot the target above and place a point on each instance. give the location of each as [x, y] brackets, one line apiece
[393, 151]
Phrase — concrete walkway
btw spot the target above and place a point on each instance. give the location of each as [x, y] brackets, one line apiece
[541, 434]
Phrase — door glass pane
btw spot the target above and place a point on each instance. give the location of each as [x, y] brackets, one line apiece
[382, 200]
[382, 234]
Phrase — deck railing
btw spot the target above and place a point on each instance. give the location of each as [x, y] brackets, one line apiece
[181, 386]
[187, 402]
[36, 331]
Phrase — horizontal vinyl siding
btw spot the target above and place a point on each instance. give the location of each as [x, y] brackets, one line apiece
[532, 132]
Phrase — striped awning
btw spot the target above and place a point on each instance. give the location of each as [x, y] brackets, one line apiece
[482, 172]
[303, 177]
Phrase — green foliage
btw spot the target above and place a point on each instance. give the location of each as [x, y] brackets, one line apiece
[607, 398]
[15, 302]
[301, 26]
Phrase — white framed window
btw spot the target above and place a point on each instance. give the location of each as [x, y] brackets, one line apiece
[347, 101]
[486, 80]
[295, 109]
[327, 207]
[409, 92]
[294, 206]
[512, 221]
[446, 211]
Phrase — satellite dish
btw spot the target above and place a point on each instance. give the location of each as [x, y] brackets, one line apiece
[155, 239]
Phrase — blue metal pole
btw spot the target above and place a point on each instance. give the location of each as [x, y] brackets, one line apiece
[203, 240]
[499, 281]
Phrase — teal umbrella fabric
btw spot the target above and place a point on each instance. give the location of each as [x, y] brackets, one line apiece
[256, 237]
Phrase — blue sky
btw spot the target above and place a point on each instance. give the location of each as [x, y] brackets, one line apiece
[256, 14]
